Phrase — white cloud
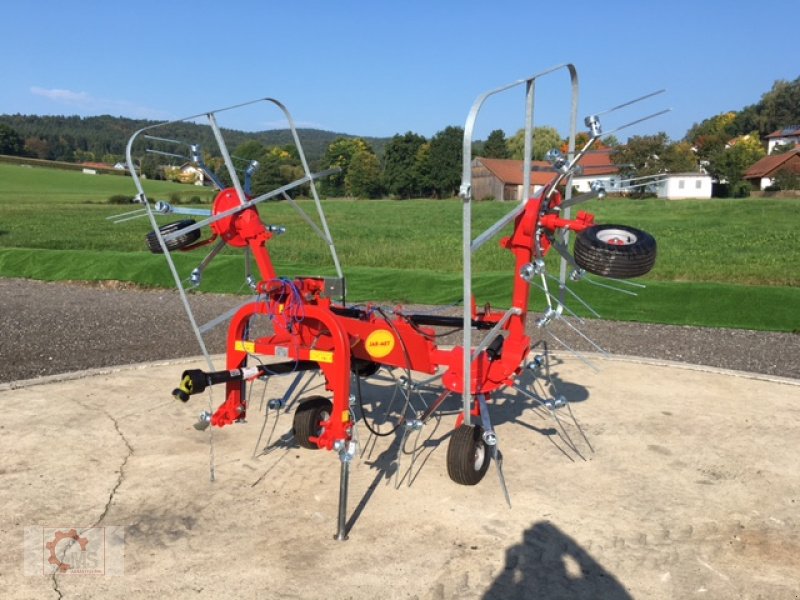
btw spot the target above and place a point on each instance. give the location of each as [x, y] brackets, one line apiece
[64, 96]
[284, 124]
[90, 104]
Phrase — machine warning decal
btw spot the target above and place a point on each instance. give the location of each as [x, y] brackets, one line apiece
[379, 343]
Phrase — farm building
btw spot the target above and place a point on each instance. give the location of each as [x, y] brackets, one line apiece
[788, 135]
[675, 186]
[762, 174]
[502, 179]
[597, 166]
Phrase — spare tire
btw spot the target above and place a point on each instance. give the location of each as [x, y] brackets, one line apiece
[615, 251]
[177, 243]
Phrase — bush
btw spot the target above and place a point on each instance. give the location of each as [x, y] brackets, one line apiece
[740, 189]
[120, 199]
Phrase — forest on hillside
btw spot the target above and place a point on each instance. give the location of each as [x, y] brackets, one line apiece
[411, 165]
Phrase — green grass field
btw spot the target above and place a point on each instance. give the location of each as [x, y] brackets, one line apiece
[728, 263]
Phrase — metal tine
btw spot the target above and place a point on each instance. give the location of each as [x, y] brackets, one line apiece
[637, 121]
[583, 335]
[578, 426]
[557, 301]
[610, 287]
[413, 458]
[654, 181]
[567, 438]
[134, 214]
[161, 139]
[629, 102]
[399, 458]
[572, 351]
[305, 217]
[168, 154]
[635, 284]
[585, 304]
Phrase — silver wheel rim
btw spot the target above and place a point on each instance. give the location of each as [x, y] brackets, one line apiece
[617, 237]
[324, 415]
[480, 454]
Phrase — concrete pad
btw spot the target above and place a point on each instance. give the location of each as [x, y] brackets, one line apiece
[690, 489]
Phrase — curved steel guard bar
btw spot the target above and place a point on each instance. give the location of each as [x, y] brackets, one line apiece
[228, 163]
[466, 195]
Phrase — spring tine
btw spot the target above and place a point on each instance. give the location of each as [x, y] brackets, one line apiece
[583, 335]
[399, 458]
[171, 154]
[413, 458]
[635, 284]
[161, 139]
[585, 304]
[134, 214]
[567, 438]
[637, 121]
[629, 102]
[498, 463]
[610, 287]
[575, 353]
[578, 425]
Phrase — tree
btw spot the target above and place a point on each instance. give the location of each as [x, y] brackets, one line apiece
[778, 108]
[710, 136]
[544, 139]
[338, 155]
[277, 166]
[249, 150]
[400, 174]
[679, 157]
[363, 178]
[729, 164]
[642, 155]
[496, 145]
[443, 162]
[10, 141]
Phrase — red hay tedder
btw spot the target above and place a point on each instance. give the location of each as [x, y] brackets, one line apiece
[301, 324]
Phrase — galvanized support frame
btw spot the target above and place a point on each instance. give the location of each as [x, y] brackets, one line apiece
[309, 178]
[465, 192]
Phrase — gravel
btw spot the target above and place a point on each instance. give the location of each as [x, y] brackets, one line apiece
[52, 328]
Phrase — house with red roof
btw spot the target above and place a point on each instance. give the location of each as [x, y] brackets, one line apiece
[762, 174]
[502, 179]
[782, 137]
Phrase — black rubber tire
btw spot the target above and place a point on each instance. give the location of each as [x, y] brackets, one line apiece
[615, 251]
[467, 455]
[177, 243]
[307, 418]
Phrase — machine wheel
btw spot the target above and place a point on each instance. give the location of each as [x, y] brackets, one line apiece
[467, 455]
[615, 251]
[307, 419]
[177, 243]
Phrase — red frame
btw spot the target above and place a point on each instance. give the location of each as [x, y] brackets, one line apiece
[309, 327]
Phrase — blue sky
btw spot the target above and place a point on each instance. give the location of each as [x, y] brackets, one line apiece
[378, 68]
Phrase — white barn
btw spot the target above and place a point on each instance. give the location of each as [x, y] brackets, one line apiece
[674, 186]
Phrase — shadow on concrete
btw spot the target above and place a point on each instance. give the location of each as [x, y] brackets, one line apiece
[549, 564]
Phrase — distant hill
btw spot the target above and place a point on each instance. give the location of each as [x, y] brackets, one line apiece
[67, 138]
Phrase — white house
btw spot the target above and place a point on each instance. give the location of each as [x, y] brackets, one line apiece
[789, 135]
[674, 186]
[597, 166]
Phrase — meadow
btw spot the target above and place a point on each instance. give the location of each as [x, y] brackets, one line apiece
[725, 263]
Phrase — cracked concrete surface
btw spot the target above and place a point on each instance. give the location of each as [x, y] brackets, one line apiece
[691, 491]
